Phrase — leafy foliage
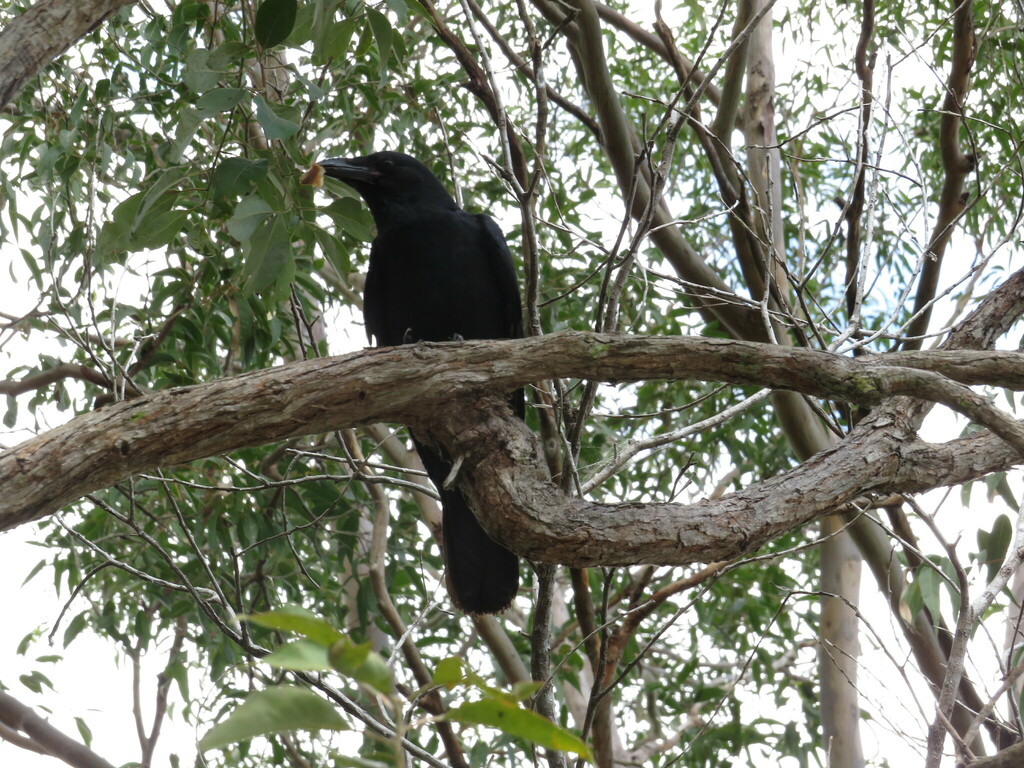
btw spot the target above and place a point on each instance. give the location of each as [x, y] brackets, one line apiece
[151, 181]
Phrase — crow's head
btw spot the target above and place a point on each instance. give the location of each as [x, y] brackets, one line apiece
[392, 184]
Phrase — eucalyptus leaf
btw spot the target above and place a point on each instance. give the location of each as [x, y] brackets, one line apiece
[269, 257]
[280, 709]
[219, 100]
[512, 719]
[299, 621]
[274, 21]
[235, 176]
[199, 76]
[274, 126]
[249, 213]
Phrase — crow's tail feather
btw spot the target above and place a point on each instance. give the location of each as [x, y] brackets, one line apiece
[482, 575]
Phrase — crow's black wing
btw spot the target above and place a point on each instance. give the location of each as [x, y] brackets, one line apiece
[504, 275]
[374, 298]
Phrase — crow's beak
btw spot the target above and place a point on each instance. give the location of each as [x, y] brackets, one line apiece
[345, 170]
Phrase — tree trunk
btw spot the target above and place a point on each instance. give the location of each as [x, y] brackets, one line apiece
[839, 650]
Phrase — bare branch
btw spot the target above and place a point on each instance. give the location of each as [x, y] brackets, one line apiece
[50, 375]
[953, 198]
[530, 73]
[654, 43]
[22, 719]
[864, 63]
[429, 700]
[540, 654]
[163, 685]
[480, 85]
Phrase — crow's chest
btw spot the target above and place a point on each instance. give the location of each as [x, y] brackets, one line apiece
[433, 283]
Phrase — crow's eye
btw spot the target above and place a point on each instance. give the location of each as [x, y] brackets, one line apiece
[386, 165]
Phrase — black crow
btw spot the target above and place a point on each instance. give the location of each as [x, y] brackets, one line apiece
[438, 273]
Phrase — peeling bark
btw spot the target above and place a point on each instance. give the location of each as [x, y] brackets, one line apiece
[453, 392]
[44, 32]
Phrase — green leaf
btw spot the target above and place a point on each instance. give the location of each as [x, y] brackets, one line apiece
[274, 21]
[158, 229]
[301, 622]
[84, 731]
[449, 672]
[910, 602]
[999, 486]
[400, 8]
[75, 627]
[35, 682]
[115, 232]
[118, 228]
[929, 582]
[35, 569]
[227, 55]
[274, 126]
[381, 29]
[300, 655]
[332, 39]
[362, 664]
[26, 641]
[275, 710]
[302, 30]
[993, 545]
[11, 414]
[269, 257]
[512, 719]
[349, 215]
[249, 213]
[199, 77]
[965, 494]
[163, 185]
[524, 690]
[235, 176]
[188, 123]
[333, 250]
[179, 674]
[314, 91]
[219, 100]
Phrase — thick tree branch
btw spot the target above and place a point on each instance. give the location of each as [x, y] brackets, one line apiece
[839, 644]
[764, 157]
[444, 390]
[508, 486]
[1011, 757]
[23, 719]
[44, 32]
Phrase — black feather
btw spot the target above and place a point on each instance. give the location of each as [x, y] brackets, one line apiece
[438, 273]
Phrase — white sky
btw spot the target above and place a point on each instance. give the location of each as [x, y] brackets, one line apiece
[89, 681]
